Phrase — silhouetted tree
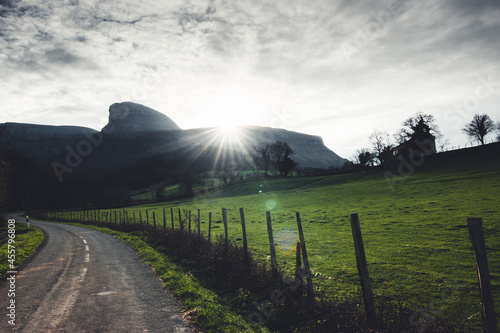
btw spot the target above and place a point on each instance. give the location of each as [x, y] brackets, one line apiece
[364, 157]
[421, 126]
[281, 152]
[480, 126]
[261, 155]
[288, 165]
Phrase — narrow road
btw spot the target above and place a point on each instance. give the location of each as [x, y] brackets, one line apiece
[82, 280]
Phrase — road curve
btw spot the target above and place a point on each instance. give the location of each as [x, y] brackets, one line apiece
[82, 280]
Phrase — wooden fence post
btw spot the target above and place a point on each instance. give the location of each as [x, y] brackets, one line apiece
[154, 219]
[140, 217]
[274, 263]
[483, 274]
[199, 224]
[209, 225]
[244, 231]
[164, 221]
[180, 220]
[134, 217]
[147, 218]
[363, 269]
[298, 264]
[224, 219]
[172, 216]
[189, 225]
[310, 291]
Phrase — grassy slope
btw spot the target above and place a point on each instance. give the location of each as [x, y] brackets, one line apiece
[415, 233]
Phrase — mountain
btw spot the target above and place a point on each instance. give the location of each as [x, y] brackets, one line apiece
[135, 132]
[140, 146]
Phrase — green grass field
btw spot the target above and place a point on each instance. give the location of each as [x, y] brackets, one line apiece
[415, 232]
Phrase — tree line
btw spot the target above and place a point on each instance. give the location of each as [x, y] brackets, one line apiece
[420, 127]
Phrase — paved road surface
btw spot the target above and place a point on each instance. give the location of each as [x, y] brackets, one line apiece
[82, 280]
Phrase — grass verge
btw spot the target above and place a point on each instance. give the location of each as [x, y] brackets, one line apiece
[26, 242]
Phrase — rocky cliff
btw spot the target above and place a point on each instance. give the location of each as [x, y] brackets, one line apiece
[128, 117]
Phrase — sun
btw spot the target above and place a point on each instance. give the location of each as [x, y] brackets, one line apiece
[228, 111]
[228, 127]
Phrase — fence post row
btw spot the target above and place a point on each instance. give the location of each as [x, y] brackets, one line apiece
[476, 234]
[475, 229]
[363, 269]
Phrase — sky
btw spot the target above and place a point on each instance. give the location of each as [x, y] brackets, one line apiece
[337, 69]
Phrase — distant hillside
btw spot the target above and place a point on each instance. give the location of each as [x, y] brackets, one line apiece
[136, 132]
[140, 146]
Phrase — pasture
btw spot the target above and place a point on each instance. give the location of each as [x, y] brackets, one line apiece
[414, 231]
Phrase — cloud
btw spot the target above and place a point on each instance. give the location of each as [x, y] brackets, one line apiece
[275, 57]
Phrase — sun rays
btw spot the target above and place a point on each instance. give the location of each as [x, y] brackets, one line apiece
[227, 146]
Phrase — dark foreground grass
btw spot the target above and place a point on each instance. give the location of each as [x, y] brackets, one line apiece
[26, 242]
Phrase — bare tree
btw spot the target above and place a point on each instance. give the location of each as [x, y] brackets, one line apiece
[381, 147]
[480, 126]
